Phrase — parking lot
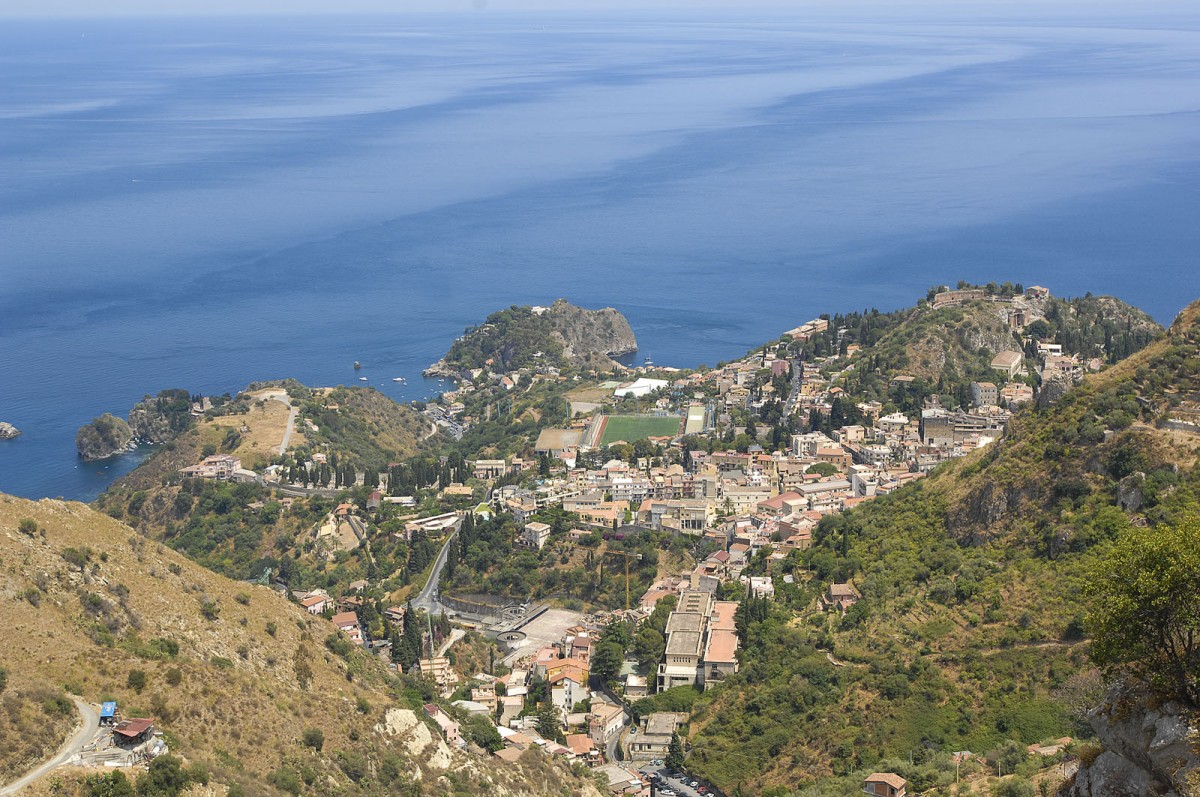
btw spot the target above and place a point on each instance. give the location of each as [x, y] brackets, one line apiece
[677, 783]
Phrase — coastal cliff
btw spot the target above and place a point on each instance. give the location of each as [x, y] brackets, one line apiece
[559, 335]
[103, 437]
[159, 419]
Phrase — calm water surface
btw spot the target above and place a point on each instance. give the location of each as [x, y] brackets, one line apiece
[203, 203]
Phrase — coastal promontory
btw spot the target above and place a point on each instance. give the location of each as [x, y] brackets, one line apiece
[559, 335]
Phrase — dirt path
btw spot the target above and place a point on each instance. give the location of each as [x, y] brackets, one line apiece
[293, 411]
[90, 723]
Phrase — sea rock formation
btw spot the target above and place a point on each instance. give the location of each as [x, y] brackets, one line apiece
[586, 333]
[1150, 749]
[103, 437]
[8, 431]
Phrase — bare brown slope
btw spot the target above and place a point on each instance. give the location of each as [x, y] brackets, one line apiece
[236, 701]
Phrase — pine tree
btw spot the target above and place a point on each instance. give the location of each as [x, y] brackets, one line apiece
[674, 759]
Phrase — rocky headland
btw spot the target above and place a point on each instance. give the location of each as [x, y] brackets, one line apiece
[152, 421]
[560, 335]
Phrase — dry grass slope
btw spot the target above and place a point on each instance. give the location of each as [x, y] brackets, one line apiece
[84, 601]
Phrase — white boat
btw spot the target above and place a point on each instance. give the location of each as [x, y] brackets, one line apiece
[398, 379]
[362, 379]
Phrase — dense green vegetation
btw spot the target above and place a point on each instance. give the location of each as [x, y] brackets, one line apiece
[947, 651]
[975, 586]
[1145, 618]
[512, 338]
[587, 573]
[364, 427]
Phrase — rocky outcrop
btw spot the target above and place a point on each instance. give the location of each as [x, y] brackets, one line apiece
[586, 333]
[104, 437]
[1129, 491]
[1150, 749]
[159, 419]
[1054, 389]
[8, 431]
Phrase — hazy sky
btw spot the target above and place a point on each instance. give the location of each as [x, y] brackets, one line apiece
[40, 8]
[89, 8]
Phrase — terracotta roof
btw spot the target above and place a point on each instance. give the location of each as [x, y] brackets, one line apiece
[722, 646]
[345, 618]
[313, 601]
[575, 673]
[890, 778]
[580, 743]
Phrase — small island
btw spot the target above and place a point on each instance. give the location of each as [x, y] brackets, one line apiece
[8, 431]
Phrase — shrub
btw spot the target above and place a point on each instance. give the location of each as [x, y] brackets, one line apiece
[174, 676]
[338, 644]
[210, 609]
[164, 778]
[314, 738]
[27, 526]
[285, 779]
[353, 764]
[136, 680]
[1014, 787]
[112, 784]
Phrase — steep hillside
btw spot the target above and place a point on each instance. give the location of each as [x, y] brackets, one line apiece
[360, 424]
[970, 631]
[1120, 439]
[943, 347]
[233, 673]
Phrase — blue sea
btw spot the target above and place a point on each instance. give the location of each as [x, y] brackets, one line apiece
[199, 203]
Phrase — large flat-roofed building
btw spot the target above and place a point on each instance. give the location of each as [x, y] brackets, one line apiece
[489, 468]
[701, 641]
[1008, 362]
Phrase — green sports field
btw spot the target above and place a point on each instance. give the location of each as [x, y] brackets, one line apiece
[634, 427]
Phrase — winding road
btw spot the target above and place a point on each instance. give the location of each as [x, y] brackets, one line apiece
[90, 723]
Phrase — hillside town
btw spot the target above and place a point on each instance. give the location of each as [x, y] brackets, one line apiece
[741, 463]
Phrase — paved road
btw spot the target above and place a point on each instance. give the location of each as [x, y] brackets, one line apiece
[455, 635]
[90, 724]
[427, 598]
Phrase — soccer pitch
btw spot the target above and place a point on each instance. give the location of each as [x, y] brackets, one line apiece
[635, 427]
